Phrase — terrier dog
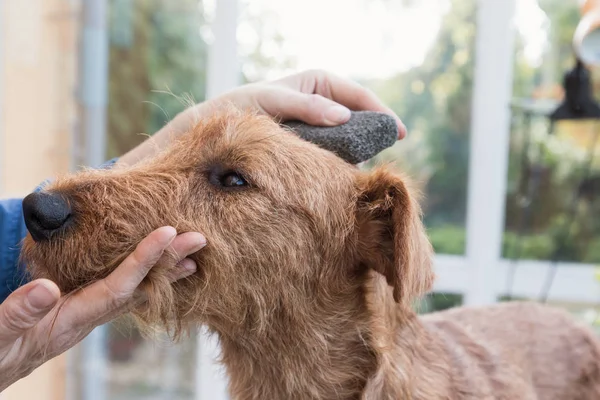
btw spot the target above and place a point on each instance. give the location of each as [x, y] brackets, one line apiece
[309, 275]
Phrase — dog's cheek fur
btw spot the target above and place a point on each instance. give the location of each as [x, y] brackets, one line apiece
[256, 261]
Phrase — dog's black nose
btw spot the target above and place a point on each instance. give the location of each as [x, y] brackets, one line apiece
[45, 214]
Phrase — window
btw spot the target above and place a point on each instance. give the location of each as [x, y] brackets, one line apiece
[417, 56]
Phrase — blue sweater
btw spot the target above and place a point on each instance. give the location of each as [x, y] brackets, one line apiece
[12, 233]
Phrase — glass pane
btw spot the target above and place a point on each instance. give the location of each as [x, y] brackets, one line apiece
[553, 176]
[415, 55]
[149, 369]
[116, 363]
[433, 302]
[157, 66]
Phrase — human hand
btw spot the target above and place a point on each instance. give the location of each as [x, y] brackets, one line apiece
[314, 97]
[36, 324]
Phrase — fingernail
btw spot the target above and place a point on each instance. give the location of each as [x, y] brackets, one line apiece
[186, 267]
[337, 114]
[172, 233]
[188, 264]
[403, 131]
[199, 247]
[41, 296]
[200, 243]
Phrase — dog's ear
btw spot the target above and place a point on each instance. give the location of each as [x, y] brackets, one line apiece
[391, 235]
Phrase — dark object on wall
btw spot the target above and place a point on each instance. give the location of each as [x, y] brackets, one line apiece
[589, 189]
[578, 102]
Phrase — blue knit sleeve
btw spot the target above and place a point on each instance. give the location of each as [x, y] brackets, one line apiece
[12, 232]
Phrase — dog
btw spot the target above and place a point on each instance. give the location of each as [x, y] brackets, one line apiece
[309, 277]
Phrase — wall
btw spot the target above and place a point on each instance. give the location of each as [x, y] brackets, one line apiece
[38, 53]
[39, 66]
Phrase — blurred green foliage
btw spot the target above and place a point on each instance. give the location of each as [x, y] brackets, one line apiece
[157, 66]
[434, 101]
[451, 239]
[447, 239]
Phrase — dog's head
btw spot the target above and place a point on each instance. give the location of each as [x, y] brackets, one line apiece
[286, 223]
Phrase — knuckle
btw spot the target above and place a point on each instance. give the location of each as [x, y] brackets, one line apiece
[146, 257]
[314, 101]
[323, 82]
[309, 80]
[138, 258]
[16, 317]
[313, 111]
[64, 340]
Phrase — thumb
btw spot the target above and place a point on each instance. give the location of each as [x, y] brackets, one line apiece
[312, 109]
[25, 308]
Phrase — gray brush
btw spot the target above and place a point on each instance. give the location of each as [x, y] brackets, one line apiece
[365, 135]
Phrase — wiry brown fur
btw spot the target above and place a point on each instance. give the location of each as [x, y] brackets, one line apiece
[308, 276]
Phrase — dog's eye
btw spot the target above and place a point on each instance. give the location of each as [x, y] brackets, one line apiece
[232, 179]
[227, 179]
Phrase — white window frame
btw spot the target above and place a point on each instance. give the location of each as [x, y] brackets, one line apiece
[488, 155]
[93, 99]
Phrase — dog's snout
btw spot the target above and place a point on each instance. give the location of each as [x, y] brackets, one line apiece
[45, 214]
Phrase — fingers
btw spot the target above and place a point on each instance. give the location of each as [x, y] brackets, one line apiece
[184, 245]
[342, 91]
[110, 294]
[123, 281]
[25, 308]
[313, 109]
[108, 298]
